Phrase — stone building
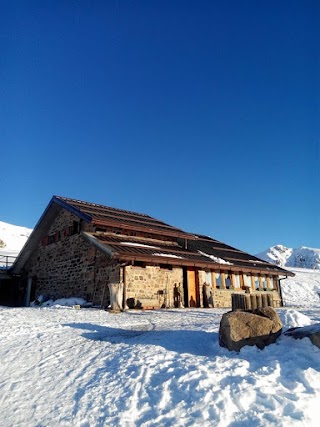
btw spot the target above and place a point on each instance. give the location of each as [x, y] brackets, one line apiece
[78, 248]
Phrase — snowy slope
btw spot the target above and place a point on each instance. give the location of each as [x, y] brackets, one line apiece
[12, 237]
[12, 240]
[303, 257]
[303, 290]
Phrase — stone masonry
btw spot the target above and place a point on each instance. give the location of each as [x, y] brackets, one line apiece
[152, 286]
[71, 266]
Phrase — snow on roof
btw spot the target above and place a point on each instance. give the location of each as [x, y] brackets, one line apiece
[215, 258]
[168, 255]
[138, 244]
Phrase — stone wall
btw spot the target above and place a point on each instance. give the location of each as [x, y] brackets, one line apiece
[222, 298]
[71, 266]
[152, 286]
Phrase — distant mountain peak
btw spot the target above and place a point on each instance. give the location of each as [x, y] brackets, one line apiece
[302, 257]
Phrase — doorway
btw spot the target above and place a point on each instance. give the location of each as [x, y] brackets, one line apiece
[191, 287]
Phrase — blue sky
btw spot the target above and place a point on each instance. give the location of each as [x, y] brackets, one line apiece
[202, 114]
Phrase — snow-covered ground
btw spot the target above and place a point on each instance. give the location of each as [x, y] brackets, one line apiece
[66, 367]
[62, 366]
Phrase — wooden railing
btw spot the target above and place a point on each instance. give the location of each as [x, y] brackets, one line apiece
[6, 261]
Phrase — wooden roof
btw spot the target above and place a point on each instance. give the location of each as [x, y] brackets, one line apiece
[198, 252]
[101, 215]
[183, 249]
[158, 243]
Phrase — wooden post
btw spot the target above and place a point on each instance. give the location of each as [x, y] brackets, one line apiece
[28, 291]
[253, 298]
[259, 300]
[264, 300]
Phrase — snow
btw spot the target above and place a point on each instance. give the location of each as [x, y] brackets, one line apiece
[89, 367]
[302, 257]
[62, 366]
[12, 239]
[61, 302]
[215, 258]
[138, 244]
[303, 289]
[168, 255]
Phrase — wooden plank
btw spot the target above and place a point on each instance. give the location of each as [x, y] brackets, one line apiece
[192, 292]
[213, 275]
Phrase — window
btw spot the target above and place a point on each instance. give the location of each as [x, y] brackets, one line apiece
[75, 227]
[139, 264]
[247, 280]
[236, 281]
[52, 238]
[101, 229]
[218, 280]
[165, 266]
[264, 282]
[208, 277]
[256, 282]
[271, 282]
[228, 280]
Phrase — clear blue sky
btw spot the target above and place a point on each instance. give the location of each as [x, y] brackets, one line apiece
[204, 114]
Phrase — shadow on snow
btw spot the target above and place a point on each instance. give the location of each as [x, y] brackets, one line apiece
[199, 343]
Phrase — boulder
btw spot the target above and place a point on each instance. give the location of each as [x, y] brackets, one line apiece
[258, 327]
[312, 332]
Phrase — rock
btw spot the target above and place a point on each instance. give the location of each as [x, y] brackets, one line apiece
[258, 327]
[312, 332]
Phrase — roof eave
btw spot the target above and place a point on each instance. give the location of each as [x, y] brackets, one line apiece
[98, 245]
[201, 264]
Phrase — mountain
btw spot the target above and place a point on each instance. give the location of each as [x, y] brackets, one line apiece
[302, 257]
[12, 238]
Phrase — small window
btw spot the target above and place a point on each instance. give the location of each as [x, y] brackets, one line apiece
[264, 282]
[228, 280]
[218, 280]
[75, 227]
[236, 281]
[271, 282]
[101, 229]
[247, 280]
[256, 282]
[208, 277]
[166, 266]
[139, 264]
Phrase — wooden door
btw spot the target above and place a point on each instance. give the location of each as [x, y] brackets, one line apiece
[193, 288]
